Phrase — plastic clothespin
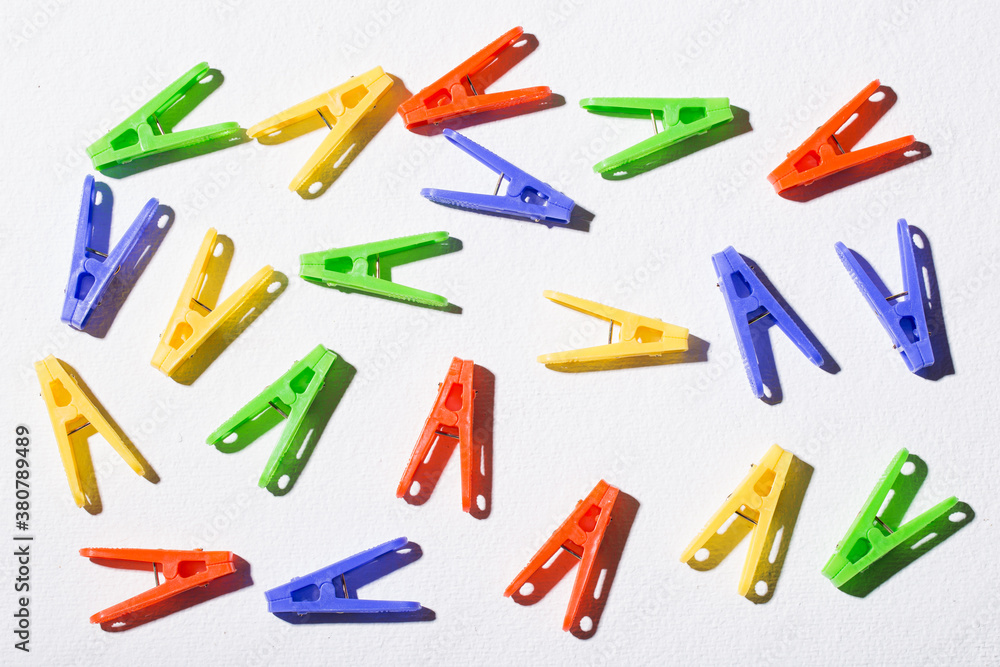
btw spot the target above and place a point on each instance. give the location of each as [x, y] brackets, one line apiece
[526, 196]
[357, 268]
[822, 154]
[451, 417]
[92, 269]
[754, 500]
[181, 570]
[581, 535]
[341, 108]
[72, 412]
[290, 396]
[449, 97]
[325, 590]
[749, 301]
[904, 320]
[140, 134]
[638, 336]
[872, 536]
[681, 118]
[193, 320]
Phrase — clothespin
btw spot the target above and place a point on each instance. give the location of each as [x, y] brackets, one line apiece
[581, 535]
[526, 196]
[92, 269]
[341, 108]
[680, 118]
[754, 501]
[357, 268]
[181, 570]
[748, 301]
[451, 417]
[448, 97]
[196, 317]
[902, 315]
[325, 591]
[290, 396]
[638, 336]
[824, 154]
[141, 135]
[75, 417]
[875, 533]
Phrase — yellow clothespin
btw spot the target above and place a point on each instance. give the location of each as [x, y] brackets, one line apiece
[638, 336]
[754, 502]
[196, 316]
[75, 417]
[340, 108]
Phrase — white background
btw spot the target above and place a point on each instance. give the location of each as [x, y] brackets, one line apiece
[677, 438]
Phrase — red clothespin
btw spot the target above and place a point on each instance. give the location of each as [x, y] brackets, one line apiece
[182, 571]
[450, 418]
[828, 150]
[581, 535]
[455, 94]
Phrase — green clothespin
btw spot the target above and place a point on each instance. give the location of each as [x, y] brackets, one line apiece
[357, 269]
[290, 397]
[871, 536]
[681, 118]
[140, 134]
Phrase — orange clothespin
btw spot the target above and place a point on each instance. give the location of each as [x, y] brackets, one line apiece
[182, 571]
[581, 535]
[449, 96]
[828, 150]
[450, 418]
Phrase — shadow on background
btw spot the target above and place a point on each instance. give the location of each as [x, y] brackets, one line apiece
[104, 313]
[869, 113]
[81, 450]
[594, 596]
[504, 61]
[760, 334]
[360, 577]
[930, 292]
[215, 588]
[715, 135]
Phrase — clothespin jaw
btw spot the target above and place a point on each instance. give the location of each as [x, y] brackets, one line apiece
[639, 336]
[196, 317]
[325, 590]
[526, 196]
[181, 570]
[341, 108]
[827, 152]
[356, 269]
[680, 118]
[754, 501]
[449, 97]
[901, 315]
[75, 417]
[451, 417]
[748, 301]
[581, 535]
[872, 535]
[291, 397]
[140, 135]
[92, 269]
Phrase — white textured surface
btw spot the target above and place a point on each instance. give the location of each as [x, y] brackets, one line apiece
[677, 438]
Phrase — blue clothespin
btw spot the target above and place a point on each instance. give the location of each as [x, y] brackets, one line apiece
[904, 320]
[526, 196]
[748, 301]
[92, 268]
[325, 591]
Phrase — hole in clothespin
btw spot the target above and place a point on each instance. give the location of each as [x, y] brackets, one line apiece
[283, 481]
[481, 502]
[701, 555]
[877, 97]
[888, 499]
[760, 588]
[909, 154]
[586, 624]
[776, 546]
[527, 589]
[315, 187]
[231, 438]
[273, 287]
[854, 117]
[600, 583]
[207, 79]
[955, 517]
[218, 250]
[414, 488]
[98, 197]
[924, 540]
[162, 222]
[907, 469]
